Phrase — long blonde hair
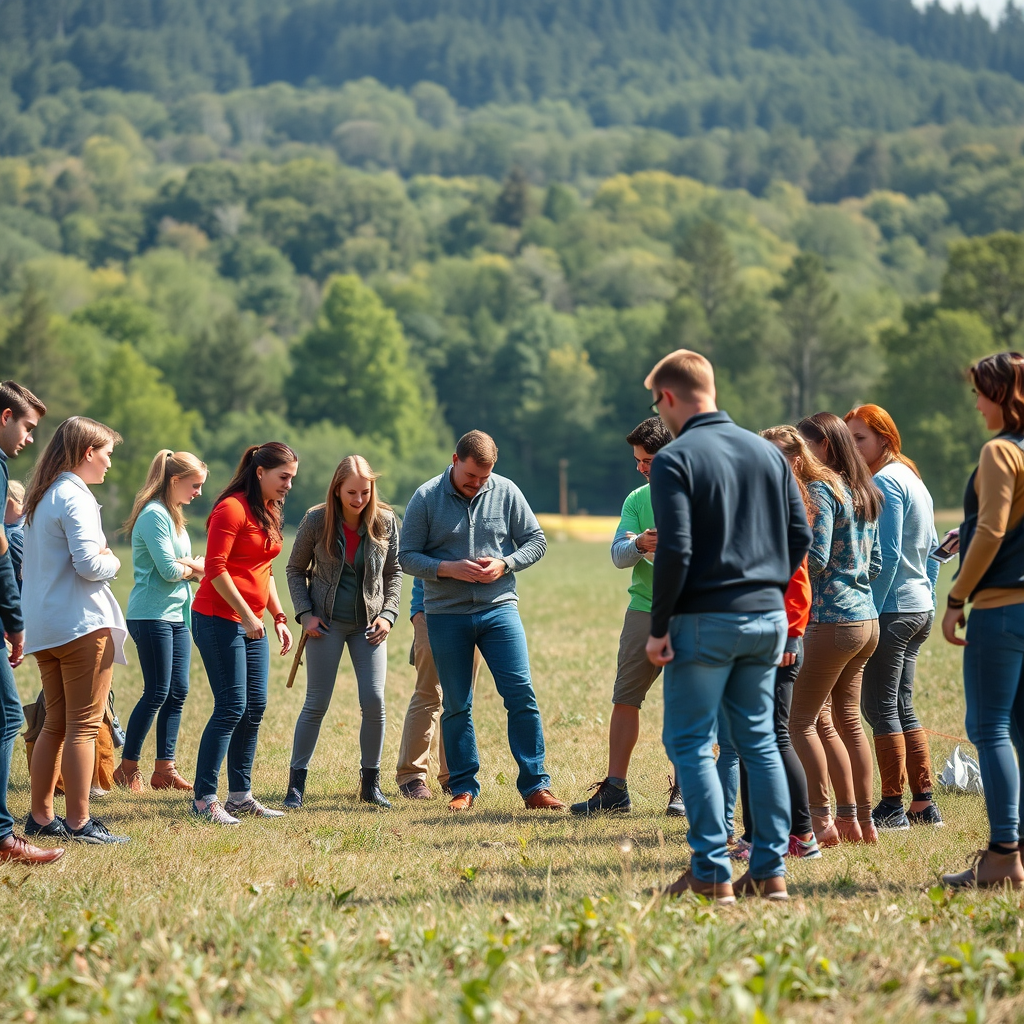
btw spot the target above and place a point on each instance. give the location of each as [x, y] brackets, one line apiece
[162, 470]
[372, 515]
[65, 450]
[806, 466]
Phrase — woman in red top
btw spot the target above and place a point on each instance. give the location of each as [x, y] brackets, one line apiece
[243, 539]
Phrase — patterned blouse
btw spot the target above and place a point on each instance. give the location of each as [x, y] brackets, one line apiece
[845, 557]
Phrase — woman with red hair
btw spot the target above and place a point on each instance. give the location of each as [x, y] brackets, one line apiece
[904, 596]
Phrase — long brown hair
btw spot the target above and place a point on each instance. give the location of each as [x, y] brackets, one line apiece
[246, 482]
[806, 466]
[1000, 378]
[878, 420]
[162, 470]
[845, 460]
[373, 513]
[65, 450]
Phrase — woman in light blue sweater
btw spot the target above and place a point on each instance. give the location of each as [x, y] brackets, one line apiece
[904, 594]
[158, 613]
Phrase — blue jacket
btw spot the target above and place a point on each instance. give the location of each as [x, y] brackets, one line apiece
[731, 524]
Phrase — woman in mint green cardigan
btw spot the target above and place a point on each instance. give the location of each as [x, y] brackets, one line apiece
[158, 613]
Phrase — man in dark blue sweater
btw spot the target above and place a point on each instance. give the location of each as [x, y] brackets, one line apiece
[731, 532]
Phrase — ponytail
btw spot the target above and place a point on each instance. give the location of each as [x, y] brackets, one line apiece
[166, 465]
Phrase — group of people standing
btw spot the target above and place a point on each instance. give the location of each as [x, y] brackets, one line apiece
[784, 584]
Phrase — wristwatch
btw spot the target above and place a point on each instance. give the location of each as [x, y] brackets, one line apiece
[508, 567]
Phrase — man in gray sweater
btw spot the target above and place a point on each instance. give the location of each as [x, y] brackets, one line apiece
[466, 533]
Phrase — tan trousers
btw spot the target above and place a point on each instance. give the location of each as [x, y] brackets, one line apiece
[830, 741]
[76, 682]
[421, 733]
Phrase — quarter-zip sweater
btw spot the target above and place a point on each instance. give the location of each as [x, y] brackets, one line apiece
[732, 529]
[442, 525]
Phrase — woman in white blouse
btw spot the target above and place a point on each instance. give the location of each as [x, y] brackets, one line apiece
[73, 624]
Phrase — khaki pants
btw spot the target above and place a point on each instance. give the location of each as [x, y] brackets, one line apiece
[76, 682]
[421, 735]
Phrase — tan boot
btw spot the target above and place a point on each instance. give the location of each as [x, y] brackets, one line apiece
[128, 776]
[891, 752]
[165, 776]
[770, 888]
[720, 892]
[989, 870]
[920, 777]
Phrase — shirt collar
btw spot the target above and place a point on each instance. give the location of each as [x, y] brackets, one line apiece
[703, 419]
[75, 479]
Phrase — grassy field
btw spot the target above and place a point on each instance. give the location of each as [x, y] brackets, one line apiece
[343, 913]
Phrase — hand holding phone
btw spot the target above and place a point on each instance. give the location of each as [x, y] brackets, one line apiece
[949, 548]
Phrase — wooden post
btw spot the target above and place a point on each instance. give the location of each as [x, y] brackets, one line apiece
[563, 488]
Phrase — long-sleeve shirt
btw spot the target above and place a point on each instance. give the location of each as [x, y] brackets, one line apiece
[236, 544]
[10, 593]
[999, 484]
[637, 516]
[67, 591]
[161, 590]
[442, 525]
[844, 558]
[732, 528]
[906, 534]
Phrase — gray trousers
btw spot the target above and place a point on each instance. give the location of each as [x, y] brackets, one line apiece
[323, 657]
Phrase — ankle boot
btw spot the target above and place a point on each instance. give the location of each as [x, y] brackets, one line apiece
[128, 776]
[296, 788]
[165, 776]
[369, 788]
[989, 870]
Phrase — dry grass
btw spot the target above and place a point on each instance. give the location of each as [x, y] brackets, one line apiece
[342, 913]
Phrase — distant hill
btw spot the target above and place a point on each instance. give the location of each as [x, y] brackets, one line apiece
[682, 65]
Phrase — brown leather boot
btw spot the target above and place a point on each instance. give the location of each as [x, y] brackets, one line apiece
[891, 752]
[919, 761]
[14, 848]
[128, 776]
[989, 870]
[542, 800]
[770, 888]
[165, 776]
[720, 892]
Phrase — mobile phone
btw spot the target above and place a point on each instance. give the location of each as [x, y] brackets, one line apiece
[948, 549]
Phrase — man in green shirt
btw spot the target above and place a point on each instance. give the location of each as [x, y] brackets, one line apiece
[633, 548]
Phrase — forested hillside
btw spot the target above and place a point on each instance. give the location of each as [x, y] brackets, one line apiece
[210, 235]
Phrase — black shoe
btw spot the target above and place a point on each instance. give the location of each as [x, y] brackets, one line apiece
[95, 833]
[296, 788]
[891, 817]
[676, 808]
[606, 798]
[929, 816]
[56, 829]
[369, 788]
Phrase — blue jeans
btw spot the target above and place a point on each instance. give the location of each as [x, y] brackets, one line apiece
[725, 663]
[165, 653]
[237, 668]
[11, 721]
[993, 670]
[728, 768]
[498, 632]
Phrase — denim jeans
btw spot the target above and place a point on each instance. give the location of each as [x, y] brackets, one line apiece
[323, 658]
[237, 669]
[11, 721]
[728, 768]
[887, 693]
[498, 631]
[993, 686]
[725, 662]
[165, 654]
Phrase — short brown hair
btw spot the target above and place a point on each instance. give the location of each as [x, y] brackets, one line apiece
[1000, 378]
[19, 399]
[479, 447]
[683, 372]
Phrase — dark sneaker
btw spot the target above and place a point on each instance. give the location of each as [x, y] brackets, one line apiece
[607, 798]
[56, 829]
[889, 817]
[415, 790]
[676, 808]
[929, 816]
[95, 833]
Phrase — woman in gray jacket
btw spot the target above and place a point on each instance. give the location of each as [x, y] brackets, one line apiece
[345, 584]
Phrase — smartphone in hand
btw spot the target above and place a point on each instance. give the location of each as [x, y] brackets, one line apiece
[949, 548]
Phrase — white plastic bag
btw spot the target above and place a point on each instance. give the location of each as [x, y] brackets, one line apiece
[961, 773]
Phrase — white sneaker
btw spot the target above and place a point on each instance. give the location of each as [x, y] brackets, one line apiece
[95, 792]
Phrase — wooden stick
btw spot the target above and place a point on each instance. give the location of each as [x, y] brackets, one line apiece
[297, 661]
